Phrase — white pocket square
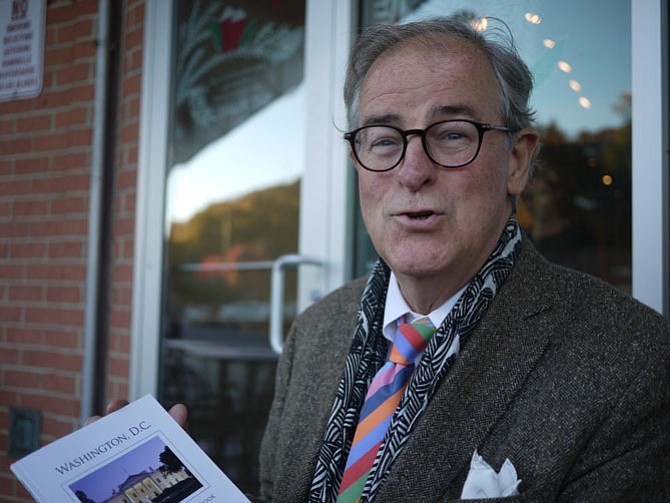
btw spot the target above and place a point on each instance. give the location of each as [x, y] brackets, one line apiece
[484, 482]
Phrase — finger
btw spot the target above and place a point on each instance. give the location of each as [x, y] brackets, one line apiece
[179, 413]
[91, 419]
[115, 405]
[112, 406]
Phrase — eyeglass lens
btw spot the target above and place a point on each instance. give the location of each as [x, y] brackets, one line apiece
[451, 143]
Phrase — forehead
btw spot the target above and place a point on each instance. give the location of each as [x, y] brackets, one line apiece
[424, 82]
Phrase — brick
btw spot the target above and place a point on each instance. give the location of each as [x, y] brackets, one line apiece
[63, 140]
[6, 126]
[65, 272]
[130, 156]
[76, 116]
[11, 271]
[71, 160]
[84, 7]
[23, 335]
[126, 179]
[58, 55]
[54, 316]
[124, 226]
[32, 165]
[131, 86]
[51, 360]
[129, 132]
[55, 405]
[66, 249]
[6, 167]
[130, 108]
[23, 379]
[84, 49]
[129, 203]
[9, 398]
[133, 37]
[60, 13]
[120, 344]
[66, 385]
[58, 228]
[14, 188]
[9, 356]
[5, 211]
[61, 184]
[15, 107]
[68, 294]
[34, 123]
[80, 72]
[27, 250]
[118, 366]
[61, 339]
[135, 15]
[26, 293]
[31, 208]
[82, 28]
[122, 273]
[14, 230]
[10, 314]
[55, 98]
[15, 146]
[69, 206]
[122, 296]
[133, 59]
[119, 319]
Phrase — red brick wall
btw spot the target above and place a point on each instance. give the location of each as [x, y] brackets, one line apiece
[45, 163]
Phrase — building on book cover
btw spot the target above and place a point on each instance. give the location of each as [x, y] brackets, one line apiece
[150, 473]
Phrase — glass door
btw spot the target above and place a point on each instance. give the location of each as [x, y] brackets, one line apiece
[232, 203]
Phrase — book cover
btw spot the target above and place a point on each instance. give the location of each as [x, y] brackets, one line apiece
[138, 454]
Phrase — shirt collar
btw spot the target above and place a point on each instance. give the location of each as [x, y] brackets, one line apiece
[396, 306]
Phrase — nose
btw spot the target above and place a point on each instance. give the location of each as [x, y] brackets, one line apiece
[416, 169]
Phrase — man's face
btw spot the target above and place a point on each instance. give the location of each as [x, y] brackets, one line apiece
[436, 226]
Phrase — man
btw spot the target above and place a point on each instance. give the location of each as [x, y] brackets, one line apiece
[556, 372]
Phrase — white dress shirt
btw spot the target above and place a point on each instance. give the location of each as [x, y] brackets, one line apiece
[396, 306]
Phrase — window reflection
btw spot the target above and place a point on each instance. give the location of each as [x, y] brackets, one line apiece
[232, 208]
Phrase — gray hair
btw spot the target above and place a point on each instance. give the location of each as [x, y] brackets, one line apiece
[515, 81]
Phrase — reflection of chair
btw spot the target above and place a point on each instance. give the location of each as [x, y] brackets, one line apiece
[226, 418]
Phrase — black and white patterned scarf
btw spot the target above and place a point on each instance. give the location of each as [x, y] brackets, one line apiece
[368, 352]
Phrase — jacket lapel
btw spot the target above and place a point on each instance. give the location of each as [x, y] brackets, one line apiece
[491, 369]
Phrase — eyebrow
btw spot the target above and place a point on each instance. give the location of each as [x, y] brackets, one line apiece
[451, 110]
[382, 119]
[436, 113]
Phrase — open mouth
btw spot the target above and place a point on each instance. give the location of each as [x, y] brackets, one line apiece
[420, 215]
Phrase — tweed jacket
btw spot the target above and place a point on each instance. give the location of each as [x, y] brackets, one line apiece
[565, 375]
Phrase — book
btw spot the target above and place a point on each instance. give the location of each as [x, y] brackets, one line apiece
[138, 454]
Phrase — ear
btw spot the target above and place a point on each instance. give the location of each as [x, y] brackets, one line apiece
[519, 160]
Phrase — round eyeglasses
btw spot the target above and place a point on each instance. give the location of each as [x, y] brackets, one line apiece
[451, 143]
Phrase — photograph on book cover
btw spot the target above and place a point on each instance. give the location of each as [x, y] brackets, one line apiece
[151, 472]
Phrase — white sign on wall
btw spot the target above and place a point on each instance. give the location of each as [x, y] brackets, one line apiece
[22, 27]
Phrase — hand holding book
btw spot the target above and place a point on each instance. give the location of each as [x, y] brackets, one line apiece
[137, 452]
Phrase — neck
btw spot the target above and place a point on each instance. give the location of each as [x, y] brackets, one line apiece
[424, 296]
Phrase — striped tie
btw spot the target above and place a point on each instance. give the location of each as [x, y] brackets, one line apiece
[381, 402]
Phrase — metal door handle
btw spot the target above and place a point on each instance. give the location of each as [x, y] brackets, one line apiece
[277, 295]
